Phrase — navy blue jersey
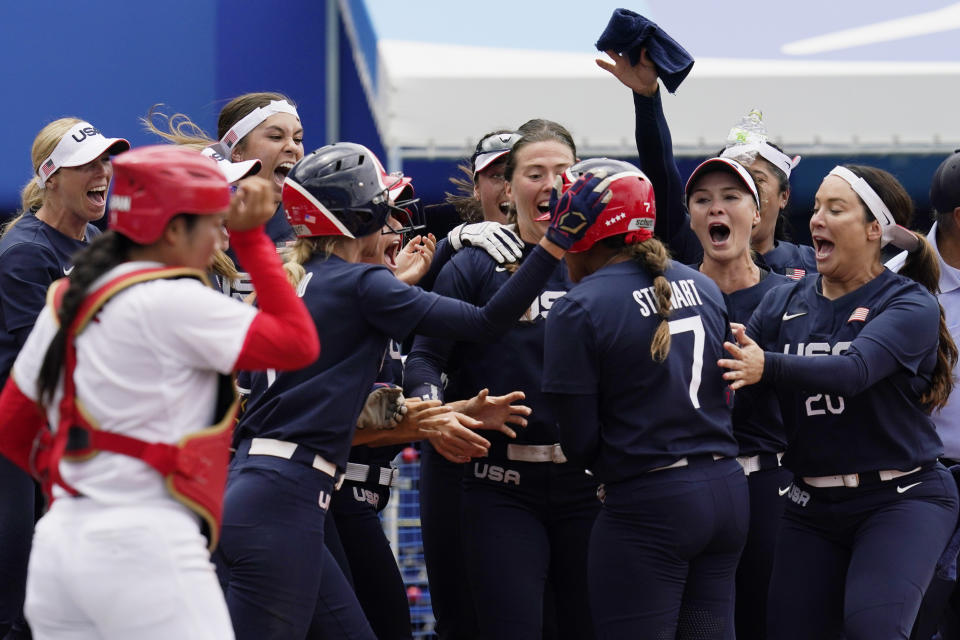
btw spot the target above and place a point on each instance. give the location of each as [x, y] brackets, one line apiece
[792, 260]
[649, 414]
[357, 308]
[32, 256]
[858, 408]
[756, 413]
[512, 363]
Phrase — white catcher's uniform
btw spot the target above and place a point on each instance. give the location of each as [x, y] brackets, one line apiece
[126, 560]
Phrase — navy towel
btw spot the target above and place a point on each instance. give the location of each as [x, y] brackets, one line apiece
[628, 32]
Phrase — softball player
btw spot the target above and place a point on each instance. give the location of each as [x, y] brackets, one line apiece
[767, 163]
[129, 359]
[630, 370]
[859, 356]
[522, 505]
[724, 209]
[72, 172]
[295, 437]
[483, 197]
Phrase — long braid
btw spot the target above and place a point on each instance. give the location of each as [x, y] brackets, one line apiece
[104, 253]
[923, 266]
[653, 256]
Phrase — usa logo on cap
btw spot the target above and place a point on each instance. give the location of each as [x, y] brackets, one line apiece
[47, 168]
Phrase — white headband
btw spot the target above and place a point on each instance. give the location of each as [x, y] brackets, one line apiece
[768, 152]
[252, 120]
[892, 232]
[81, 144]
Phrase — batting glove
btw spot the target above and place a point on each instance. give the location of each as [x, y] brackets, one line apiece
[573, 211]
[384, 408]
[499, 240]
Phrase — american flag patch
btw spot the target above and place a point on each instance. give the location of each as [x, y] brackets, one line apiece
[859, 315]
[309, 218]
[47, 168]
[795, 274]
[230, 139]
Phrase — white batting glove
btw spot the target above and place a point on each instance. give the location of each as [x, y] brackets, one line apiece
[384, 408]
[499, 240]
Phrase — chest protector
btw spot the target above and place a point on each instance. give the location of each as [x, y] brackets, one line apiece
[195, 469]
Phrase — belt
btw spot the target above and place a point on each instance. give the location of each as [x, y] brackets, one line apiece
[536, 453]
[760, 462]
[686, 461]
[364, 473]
[293, 451]
[857, 479]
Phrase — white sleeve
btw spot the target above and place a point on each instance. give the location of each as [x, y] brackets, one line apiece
[195, 324]
[26, 368]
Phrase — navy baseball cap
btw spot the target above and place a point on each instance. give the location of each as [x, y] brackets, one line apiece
[945, 188]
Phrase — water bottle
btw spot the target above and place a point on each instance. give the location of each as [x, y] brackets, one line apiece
[749, 129]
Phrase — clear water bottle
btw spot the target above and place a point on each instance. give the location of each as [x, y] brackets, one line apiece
[749, 129]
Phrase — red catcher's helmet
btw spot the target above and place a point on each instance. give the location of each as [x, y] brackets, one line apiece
[632, 209]
[153, 184]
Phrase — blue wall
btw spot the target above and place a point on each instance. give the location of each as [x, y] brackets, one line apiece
[108, 61]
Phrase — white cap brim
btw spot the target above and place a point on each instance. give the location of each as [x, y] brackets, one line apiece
[484, 160]
[232, 171]
[94, 149]
[82, 143]
[712, 164]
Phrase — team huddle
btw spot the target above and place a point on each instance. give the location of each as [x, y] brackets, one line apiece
[642, 411]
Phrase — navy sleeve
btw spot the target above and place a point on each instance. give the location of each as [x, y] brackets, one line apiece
[578, 418]
[440, 257]
[570, 350]
[428, 358]
[655, 148]
[571, 379]
[901, 336]
[398, 310]
[24, 280]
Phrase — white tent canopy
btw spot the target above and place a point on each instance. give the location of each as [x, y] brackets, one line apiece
[434, 100]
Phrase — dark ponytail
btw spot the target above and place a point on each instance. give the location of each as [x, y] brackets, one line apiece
[923, 266]
[105, 252]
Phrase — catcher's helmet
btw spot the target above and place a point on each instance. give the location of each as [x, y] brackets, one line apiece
[153, 184]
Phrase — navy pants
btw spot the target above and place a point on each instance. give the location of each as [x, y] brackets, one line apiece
[450, 594]
[523, 521]
[281, 581]
[664, 552]
[353, 526]
[856, 561]
[767, 502]
[18, 506]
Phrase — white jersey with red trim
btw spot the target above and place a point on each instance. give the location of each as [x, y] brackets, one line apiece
[147, 367]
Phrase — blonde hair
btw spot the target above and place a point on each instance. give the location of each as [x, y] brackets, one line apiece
[177, 129]
[653, 256]
[302, 250]
[31, 196]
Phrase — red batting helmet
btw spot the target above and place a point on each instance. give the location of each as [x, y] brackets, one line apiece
[632, 209]
[153, 184]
